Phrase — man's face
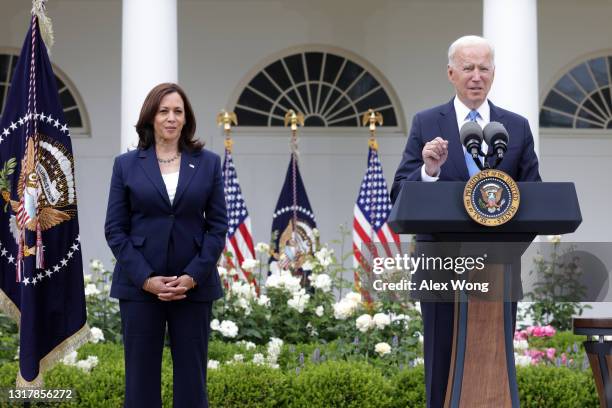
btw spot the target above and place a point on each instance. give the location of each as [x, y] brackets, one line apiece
[472, 73]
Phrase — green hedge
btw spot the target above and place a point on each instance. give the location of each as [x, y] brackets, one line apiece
[330, 383]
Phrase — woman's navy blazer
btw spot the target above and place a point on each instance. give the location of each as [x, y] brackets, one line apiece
[149, 236]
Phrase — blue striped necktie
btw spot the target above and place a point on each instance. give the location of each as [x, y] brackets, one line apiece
[469, 161]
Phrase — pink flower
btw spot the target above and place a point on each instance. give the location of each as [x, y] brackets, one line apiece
[520, 335]
[563, 358]
[536, 355]
[541, 331]
[550, 353]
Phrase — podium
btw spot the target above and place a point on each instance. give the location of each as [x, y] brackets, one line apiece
[482, 372]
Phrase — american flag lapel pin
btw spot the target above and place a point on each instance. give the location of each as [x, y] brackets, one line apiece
[192, 166]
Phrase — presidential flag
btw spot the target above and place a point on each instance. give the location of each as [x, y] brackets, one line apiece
[239, 241]
[372, 236]
[293, 223]
[41, 270]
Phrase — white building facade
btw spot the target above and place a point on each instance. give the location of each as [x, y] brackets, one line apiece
[110, 52]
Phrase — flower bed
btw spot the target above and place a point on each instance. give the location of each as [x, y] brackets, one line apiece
[299, 381]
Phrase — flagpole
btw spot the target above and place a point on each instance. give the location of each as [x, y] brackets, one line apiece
[294, 119]
[225, 119]
[370, 119]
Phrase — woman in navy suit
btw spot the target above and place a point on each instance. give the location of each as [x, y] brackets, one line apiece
[166, 223]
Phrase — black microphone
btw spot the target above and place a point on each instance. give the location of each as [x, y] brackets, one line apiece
[496, 136]
[471, 137]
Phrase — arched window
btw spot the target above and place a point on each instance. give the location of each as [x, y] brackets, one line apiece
[74, 110]
[581, 99]
[332, 88]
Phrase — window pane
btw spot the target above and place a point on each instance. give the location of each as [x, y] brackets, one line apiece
[581, 74]
[251, 99]
[73, 118]
[277, 72]
[296, 68]
[332, 66]
[248, 118]
[365, 85]
[66, 99]
[554, 119]
[600, 71]
[313, 64]
[374, 101]
[556, 101]
[389, 118]
[349, 74]
[568, 87]
[4, 67]
[263, 84]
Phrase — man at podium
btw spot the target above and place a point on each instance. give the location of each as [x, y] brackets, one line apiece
[434, 153]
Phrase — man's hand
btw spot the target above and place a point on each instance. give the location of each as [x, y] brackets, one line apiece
[435, 154]
[167, 287]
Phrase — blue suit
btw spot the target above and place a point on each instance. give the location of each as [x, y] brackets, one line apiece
[150, 236]
[520, 162]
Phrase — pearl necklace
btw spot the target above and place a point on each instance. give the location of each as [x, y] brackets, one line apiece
[170, 160]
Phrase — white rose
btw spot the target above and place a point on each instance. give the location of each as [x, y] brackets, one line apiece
[214, 325]
[87, 364]
[308, 265]
[249, 345]
[521, 344]
[364, 323]
[324, 256]
[87, 278]
[249, 263]
[222, 272]
[258, 358]
[275, 346]
[382, 348]
[354, 297]
[323, 282]
[522, 360]
[319, 311]
[97, 335]
[213, 364]
[263, 300]
[381, 320]
[239, 358]
[344, 309]
[299, 301]
[262, 248]
[228, 328]
[91, 290]
[70, 358]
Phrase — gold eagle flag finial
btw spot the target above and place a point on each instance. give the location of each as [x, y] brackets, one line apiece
[226, 119]
[294, 119]
[372, 118]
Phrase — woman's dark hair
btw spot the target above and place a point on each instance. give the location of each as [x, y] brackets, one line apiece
[144, 127]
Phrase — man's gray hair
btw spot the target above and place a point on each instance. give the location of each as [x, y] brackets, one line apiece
[467, 41]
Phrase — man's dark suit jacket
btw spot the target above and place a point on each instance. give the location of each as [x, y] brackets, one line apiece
[520, 161]
[149, 236]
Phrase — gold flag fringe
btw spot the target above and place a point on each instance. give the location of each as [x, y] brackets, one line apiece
[44, 22]
[69, 345]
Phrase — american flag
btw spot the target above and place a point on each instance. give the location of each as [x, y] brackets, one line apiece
[239, 241]
[370, 228]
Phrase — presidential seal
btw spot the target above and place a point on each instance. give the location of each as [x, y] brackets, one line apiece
[491, 197]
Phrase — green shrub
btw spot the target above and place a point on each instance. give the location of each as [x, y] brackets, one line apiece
[409, 388]
[544, 387]
[340, 384]
[247, 385]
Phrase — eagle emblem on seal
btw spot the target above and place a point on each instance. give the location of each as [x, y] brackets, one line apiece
[491, 194]
[45, 188]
